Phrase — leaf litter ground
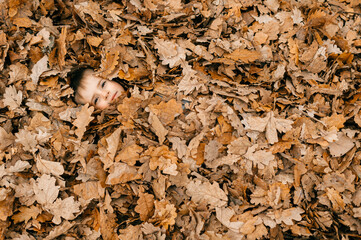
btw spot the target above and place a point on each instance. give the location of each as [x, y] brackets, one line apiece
[241, 120]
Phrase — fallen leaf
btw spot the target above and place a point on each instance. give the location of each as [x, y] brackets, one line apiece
[145, 206]
[243, 55]
[158, 127]
[129, 154]
[121, 173]
[49, 167]
[164, 213]
[12, 98]
[83, 119]
[39, 68]
[25, 214]
[46, 192]
[206, 192]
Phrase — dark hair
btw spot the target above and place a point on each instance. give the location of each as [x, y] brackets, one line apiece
[75, 76]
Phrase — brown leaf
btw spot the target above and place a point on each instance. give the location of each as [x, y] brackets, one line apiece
[61, 42]
[164, 213]
[89, 190]
[121, 173]
[22, 22]
[26, 214]
[6, 205]
[94, 41]
[243, 55]
[83, 119]
[336, 120]
[145, 206]
[158, 127]
[167, 111]
[129, 154]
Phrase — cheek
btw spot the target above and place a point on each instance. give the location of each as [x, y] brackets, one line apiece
[102, 105]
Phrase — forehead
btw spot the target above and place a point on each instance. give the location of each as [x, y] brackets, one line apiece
[87, 87]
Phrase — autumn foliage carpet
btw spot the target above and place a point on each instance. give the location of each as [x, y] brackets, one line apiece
[241, 120]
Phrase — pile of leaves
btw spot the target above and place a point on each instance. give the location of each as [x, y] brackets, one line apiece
[241, 120]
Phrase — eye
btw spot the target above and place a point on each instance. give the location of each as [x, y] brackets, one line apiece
[96, 101]
[103, 84]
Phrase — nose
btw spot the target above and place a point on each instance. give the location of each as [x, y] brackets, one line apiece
[105, 94]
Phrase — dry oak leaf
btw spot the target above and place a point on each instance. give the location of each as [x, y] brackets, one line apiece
[167, 111]
[339, 181]
[24, 191]
[89, 190]
[83, 119]
[17, 72]
[192, 80]
[26, 213]
[128, 111]
[206, 192]
[134, 73]
[109, 62]
[164, 213]
[169, 52]
[109, 147]
[239, 146]
[270, 124]
[296, 16]
[299, 230]
[341, 146]
[122, 173]
[39, 67]
[178, 145]
[6, 139]
[225, 160]
[93, 9]
[336, 120]
[129, 154]
[19, 166]
[6, 206]
[45, 190]
[243, 55]
[211, 151]
[27, 139]
[192, 147]
[59, 230]
[158, 127]
[61, 42]
[263, 159]
[12, 98]
[131, 232]
[244, 223]
[22, 22]
[64, 208]
[162, 158]
[49, 167]
[336, 199]
[145, 206]
[224, 215]
[190, 83]
[94, 41]
[286, 215]
[258, 233]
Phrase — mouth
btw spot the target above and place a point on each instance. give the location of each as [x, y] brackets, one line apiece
[115, 94]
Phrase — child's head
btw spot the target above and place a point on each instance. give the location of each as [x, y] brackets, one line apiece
[96, 91]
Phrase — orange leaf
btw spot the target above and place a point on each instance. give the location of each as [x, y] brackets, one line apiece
[243, 55]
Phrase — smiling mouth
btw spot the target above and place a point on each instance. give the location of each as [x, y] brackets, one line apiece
[115, 94]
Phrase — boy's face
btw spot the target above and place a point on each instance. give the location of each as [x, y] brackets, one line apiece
[97, 91]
